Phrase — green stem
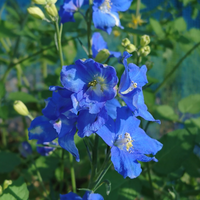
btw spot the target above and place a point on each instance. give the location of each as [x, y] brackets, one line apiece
[137, 14]
[4, 135]
[58, 35]
[62, 169]
[176, 67]
[150, 180]
[73, 179]
[94, 162]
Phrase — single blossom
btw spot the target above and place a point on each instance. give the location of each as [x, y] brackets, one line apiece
[130, 88]
[87, 196]
[91, 82]
[129, 143]
[105, 13]
[25, 149]
[68, 9]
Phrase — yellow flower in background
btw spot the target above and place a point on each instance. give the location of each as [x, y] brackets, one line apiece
[136, 21]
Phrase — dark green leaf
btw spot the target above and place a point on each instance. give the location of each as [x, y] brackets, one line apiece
[190, 104]
[125, 189]
[16, 191]
[177, 147]
[22, 96]
[8, 161]
[6, 29]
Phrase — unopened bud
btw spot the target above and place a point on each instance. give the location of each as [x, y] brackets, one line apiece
[6, 183]
[130, 48]
[125, 42]
[41, 2]
[36, 12]
[144, 51]
[20, 108]
[102, 55]
[51, 10]
[144, 40]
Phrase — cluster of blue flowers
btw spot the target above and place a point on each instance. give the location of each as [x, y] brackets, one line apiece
[90, 101]
[105, 12]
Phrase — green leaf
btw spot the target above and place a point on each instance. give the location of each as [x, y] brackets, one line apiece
[177, 147]
[46, 166]
[190, 104]
[196, 122]
[192, 165]
[157, 28]
[22, 96]
[180, 24]
[6, 29]
[166, 112]
[8, 161]
[16, 191]
[125, 189]
[2, 89]
[134, 6]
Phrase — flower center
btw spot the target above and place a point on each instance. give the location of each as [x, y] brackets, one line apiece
[92, 83]
[124, 143]
[105, 6]
[131, 87]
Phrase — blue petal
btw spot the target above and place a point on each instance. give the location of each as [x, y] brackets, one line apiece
[42, 130]
[104, 21]
[93, 196]
[119, 5]
[111, 107]
[56, 105]
[45, 150]
[65, 16]
[90, 123]
[115, 54]
[98, 44]
[25, 149]
[70, 196]
[124, 163]
[142, 109]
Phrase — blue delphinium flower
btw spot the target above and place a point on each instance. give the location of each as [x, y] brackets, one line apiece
[87, 196]
[25, 149]
[105, 14]
[46, 150]
[130, 88]
[129, 143]
[98, 44]
[68, 9]
[92, 83]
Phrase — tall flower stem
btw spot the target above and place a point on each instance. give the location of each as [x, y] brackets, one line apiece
[58, 37]
[176, 67]
[94, 162]
[73, 179]
[137, 14]
[150, 181]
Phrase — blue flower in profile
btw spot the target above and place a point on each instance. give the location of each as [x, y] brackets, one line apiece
[68, 9]
[98, 44]
[92, 82]
[105, 13]
[45, 150]
[130, 88]
[87, 196]
[25, 149]
[129, 143]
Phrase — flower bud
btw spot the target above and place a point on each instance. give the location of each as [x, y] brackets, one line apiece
[25, 149]
[102, 55]
[6, 183]
[144, 40]
[144, 51]
[51, 10]
[41, 2]
[36, 12]
[125, 42]
[130, 48]
[20, 108]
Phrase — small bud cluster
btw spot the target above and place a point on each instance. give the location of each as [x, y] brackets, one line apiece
[49, 6]
[130, 48]
[145, 49]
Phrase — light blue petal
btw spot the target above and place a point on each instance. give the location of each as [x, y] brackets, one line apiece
[111, 107]
[119, 5]
[70, 196]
